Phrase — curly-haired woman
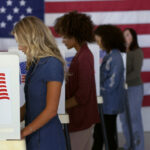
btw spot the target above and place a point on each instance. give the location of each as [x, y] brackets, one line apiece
[81, 102]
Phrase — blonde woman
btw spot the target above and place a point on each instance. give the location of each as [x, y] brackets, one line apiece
[43, 130]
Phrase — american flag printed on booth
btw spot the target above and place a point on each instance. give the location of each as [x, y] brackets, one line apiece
[23, 72]
[3, 87]
[68, 60]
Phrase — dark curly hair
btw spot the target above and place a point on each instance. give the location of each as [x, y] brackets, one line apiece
[112, 37]
[134, 44]
[77, 25]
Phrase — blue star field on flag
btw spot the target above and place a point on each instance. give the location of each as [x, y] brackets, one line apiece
[11, 11]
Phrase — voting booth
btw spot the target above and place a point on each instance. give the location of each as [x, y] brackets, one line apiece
[9, 97]
[10, 103]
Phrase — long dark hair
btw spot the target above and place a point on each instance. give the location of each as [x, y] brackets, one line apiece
[134, 44]
[112, 37]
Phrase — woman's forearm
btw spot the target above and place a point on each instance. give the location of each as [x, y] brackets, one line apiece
[40, 121]
[52, 102]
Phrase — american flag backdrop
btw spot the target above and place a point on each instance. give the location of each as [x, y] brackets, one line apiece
[123, 13]
[3, 87]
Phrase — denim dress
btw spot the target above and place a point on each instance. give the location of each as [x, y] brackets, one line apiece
[50, 136]
[112, 83]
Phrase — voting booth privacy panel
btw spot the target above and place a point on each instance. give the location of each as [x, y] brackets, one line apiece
[9, 96]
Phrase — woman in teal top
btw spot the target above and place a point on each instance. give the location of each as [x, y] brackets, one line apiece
[43, 130]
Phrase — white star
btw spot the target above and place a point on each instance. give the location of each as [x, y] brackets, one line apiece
[29, 10]
[22, 3]
[16, 10]
[2, 24]
[22, 16]
[2, 10]
[9, 3]
[9, 17]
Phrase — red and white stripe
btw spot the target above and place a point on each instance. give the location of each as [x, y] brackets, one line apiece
[123, 13]
[23, 77]
[3, 87]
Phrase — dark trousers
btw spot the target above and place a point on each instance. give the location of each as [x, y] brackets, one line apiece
[110, 124]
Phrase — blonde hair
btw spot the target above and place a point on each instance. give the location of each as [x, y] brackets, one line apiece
[37, 37]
